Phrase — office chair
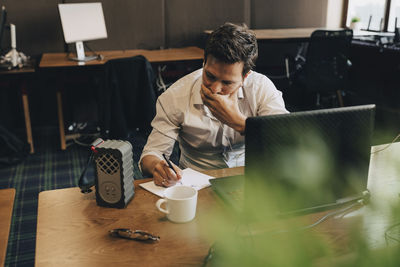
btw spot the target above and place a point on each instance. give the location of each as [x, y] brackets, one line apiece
[327, 65]
[129, 97]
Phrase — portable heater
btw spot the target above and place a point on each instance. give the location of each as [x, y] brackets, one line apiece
[113, 161]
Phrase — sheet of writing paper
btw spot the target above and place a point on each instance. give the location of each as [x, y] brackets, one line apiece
[190, 177]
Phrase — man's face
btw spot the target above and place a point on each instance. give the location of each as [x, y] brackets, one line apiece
[222, 78]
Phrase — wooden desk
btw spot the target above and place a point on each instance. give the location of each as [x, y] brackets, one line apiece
[6, 208]
[61, 60]
[72, 230]
[18, 74]
[281, 34]
[293, 34]
[55, 60]
[284, 34]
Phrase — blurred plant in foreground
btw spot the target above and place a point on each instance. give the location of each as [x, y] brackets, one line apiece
[258, 235]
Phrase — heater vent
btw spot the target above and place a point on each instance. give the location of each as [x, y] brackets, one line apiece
[108, 164]
[114, 173]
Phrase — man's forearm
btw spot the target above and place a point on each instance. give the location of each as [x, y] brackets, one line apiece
[148, 164]
[240, 124]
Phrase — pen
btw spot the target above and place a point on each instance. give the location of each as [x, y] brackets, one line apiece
[169, 163]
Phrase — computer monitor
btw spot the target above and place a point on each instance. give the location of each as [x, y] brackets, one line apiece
[82, 22]
[307, 159]
[3, 18]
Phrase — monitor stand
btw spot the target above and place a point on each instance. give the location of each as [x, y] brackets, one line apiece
[80, 52]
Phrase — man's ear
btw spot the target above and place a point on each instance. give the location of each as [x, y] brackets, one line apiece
[204, 61]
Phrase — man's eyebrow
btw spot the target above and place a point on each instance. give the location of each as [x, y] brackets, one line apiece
[209, 74]
[228, 81]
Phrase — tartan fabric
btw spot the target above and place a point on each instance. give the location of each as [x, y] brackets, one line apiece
[49, 168]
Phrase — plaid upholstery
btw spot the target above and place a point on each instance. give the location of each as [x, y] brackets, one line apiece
[49, 168]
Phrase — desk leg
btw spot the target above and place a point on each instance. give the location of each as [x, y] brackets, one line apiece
[61, 121]
[25, 103]
[340, 98]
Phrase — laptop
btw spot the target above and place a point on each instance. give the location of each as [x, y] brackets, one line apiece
[302, 162]
[230, 190]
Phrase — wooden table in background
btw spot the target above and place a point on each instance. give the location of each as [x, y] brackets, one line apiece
[6, 208]
[296, 34]
[61, 60]
[58, 60]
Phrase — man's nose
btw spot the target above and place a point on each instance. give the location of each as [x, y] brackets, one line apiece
[215, 87]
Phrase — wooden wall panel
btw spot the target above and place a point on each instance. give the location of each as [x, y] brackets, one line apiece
[186, 19]
[153, 24]
[131, 24]
[38, 26]
[288, 13]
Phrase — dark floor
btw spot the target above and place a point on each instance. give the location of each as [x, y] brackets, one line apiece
[49, 168]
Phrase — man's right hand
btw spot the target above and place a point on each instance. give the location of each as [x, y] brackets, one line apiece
[163, 175]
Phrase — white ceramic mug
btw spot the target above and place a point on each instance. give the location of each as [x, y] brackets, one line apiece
[181, 202]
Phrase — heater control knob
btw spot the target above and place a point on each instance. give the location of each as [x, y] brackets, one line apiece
[109, 192]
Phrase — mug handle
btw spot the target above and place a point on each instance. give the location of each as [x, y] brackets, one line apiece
[159, 203]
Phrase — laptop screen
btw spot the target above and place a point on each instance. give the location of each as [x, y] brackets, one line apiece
[306, 159]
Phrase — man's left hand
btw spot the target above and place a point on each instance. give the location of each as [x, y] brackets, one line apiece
[225, 108]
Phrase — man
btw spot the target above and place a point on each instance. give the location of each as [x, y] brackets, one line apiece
[206, 110]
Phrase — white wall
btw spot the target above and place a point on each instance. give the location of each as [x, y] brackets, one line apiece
[334, 13]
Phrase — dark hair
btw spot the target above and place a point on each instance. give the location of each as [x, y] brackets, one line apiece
[231, 43]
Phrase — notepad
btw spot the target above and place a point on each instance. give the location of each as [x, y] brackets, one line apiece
[190, 177]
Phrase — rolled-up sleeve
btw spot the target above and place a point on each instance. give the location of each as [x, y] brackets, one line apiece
[165, 131]
[270, 100]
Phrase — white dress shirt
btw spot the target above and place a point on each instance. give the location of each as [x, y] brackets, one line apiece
[205, 142]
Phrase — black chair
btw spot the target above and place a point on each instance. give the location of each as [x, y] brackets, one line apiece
[129, 97]
[327, 66]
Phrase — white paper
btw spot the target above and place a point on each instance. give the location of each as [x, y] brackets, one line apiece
[190, 177]
[384, 171]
